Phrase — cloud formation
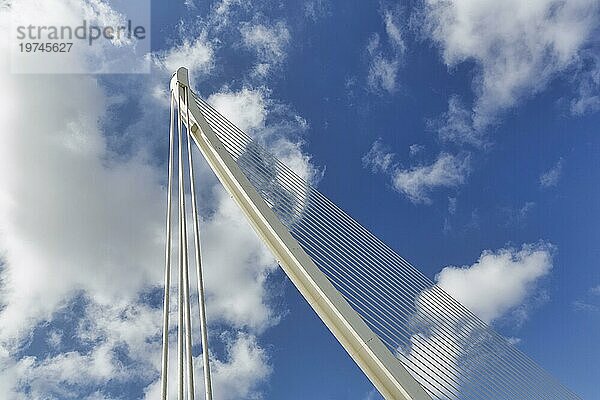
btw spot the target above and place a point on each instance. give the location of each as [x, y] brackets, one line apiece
[587, 79]
[517, 47]
[497, 285]
[385, 59]
[589, 302]
[317, 9]
[81, 225]
[271, 123]
[456, 125]
[417, 182]
[269, 42]
[499, 281]
[379, 158]
[196, 54]
[551, 177]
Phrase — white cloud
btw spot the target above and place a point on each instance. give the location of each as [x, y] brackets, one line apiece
[379, 158]
[384, 64]
[415, 149]
[417, 182]
[517, 46]
[268, 42]
[104, 330]
[221, 17]
[246, 109]
[121, 54]
[71, 217]
[588, 302]
[197, 55]
[516, 216]
[237, 276]
[124, 342]
[383, 73]
[224, 6]
[552, 176]
[78, 220]
[498, 284]
[392, 28]
[456, 125]
[271, 123]
[499, 281]
[54, 339]
[247, 365]
[244, 366]
[587, 99]
[317, 9]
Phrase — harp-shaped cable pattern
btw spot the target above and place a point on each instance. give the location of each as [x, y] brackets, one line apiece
[450, 351]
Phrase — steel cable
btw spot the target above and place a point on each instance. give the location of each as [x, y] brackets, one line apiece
[320, 227]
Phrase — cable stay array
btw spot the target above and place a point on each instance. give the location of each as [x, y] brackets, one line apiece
[409, 337]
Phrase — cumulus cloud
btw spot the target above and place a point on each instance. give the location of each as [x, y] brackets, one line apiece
[273, 124]
[417, 182]
[495, 286]
[517, 47]
[116, 346]
[385, 60]
[237, 277]
[197, 55]
[236, 375]
[246, 366]
[81, 222]
[71, 215]
[121, 54]
[499, 281]
[247, 108]
[551, 177]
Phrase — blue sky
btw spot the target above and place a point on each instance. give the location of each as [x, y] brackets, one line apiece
[451, 132]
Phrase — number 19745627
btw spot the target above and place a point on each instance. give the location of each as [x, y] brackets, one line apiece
[33, 47]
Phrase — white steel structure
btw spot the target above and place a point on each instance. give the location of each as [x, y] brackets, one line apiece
[412, 340]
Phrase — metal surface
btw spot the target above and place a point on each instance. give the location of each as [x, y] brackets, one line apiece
[168, 242]
[366, 348]
[450, 351]
[199, 272]
[185, 362]
[407, 334]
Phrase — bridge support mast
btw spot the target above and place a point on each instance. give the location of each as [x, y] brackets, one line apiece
[384, 370]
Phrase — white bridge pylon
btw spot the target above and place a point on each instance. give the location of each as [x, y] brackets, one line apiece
[179, 123]
[384, 370]
[409, 337]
